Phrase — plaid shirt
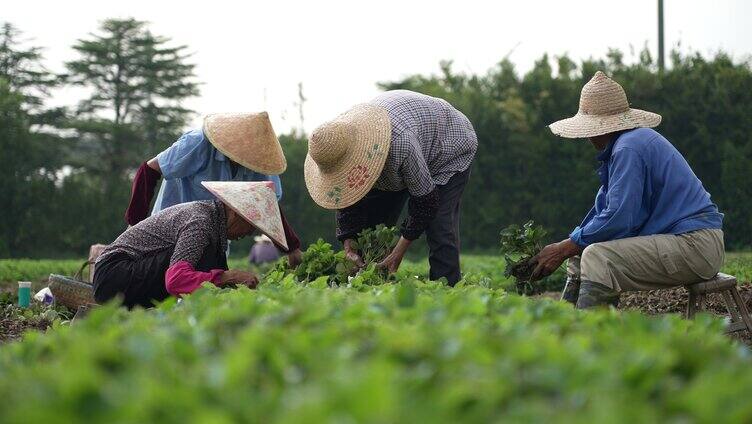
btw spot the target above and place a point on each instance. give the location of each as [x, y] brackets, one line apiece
[431, 141]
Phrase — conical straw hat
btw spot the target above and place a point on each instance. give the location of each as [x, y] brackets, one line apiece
[256, 202]
[603, 109]
[248, 139]
[346, 156]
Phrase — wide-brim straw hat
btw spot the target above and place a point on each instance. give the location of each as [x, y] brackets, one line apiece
[256, 202]
[346, 156]
[603, 109]
[248, 139]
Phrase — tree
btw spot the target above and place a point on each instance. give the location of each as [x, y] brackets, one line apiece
[22, 68]
[137, 84]
[522, 171]
[27, 176]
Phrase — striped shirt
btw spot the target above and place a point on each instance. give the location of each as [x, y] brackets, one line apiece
[431, 141]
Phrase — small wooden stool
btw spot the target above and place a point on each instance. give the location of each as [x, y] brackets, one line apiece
[726, 285]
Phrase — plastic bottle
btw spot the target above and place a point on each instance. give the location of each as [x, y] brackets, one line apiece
[24, 294]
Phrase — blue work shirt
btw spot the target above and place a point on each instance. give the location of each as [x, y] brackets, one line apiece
[647, 188]
[192, 159]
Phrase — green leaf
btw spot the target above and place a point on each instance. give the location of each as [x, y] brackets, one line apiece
[320, 283]
[405, 294]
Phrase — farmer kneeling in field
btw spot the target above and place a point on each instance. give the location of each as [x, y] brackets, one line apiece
[229, 147]
[183, 246]
[653, 225]
[368, 161]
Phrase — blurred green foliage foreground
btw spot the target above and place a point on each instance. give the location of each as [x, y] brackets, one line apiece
[400, 351]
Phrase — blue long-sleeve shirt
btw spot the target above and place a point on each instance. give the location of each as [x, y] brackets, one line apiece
[193, 159]
[647, 188]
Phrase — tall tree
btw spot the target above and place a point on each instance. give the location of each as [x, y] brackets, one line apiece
[27, 174]
[137, 83]
[22, 68]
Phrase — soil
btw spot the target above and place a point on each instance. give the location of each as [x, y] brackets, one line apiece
[11, 327]
[675, 301]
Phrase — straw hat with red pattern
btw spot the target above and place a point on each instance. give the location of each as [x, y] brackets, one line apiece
[346, 156]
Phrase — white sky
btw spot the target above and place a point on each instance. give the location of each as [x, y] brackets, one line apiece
[251, 55]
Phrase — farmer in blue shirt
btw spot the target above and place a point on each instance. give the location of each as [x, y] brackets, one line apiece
[229, 147]
[653, 224]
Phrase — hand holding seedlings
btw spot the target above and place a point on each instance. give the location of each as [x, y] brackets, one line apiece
[551, 257]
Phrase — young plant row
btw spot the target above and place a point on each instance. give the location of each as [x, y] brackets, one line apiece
[411, 351]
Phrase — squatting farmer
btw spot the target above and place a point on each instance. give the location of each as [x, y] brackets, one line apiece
[177, 249]
[400, 147]
[229, 147]
[653, 224]
[263, 250]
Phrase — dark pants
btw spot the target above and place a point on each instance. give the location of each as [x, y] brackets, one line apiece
[442, 234]
[142, 282]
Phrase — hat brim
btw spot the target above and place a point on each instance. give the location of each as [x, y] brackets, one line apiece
[349, 180]
[584, 126]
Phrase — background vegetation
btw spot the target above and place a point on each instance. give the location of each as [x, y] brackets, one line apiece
[66, 173]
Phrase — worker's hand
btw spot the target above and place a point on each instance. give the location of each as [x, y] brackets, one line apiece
[392, 262]
[235, 277]
[294, 258]
[552, 256]
[352, 255]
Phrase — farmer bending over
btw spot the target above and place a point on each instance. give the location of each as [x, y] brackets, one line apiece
[229, 147]
[368, 161]
[653, 225]
[183, 246]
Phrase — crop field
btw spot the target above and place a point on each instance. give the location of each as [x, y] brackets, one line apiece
[306, 349]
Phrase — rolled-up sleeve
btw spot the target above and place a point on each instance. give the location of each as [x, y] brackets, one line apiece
[186, 157]
[622, 215]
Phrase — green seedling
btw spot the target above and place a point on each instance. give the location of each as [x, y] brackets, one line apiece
[518, 246]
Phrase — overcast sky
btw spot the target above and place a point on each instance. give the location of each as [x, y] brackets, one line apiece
[251, 55]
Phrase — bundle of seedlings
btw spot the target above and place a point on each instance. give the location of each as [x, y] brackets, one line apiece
[320, 259]
[375, 244]
[519, 245]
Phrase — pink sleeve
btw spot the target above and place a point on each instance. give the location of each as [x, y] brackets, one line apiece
[181, 278]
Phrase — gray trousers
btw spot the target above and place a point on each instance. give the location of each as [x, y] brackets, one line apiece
[442, 234]
[651, 262]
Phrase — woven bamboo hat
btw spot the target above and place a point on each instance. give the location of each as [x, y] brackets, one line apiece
[248, 139]
[603, 109]
[256, 202]
[346, 156]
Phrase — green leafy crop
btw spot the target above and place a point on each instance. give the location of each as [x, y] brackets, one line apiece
[321, 260]
[518, 246]
[411, 352]
[374, 244]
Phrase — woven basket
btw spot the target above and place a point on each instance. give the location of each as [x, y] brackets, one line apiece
[72, 292]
